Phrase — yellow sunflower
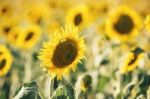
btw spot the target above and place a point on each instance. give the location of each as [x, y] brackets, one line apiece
[78, 16]
[6, 8]
[98, 8]
[7, 25]
[29, 36]
[38, 13]
[61, 4]
[12, 38]
[123, 24]
[5, 60]
[62, 53]
[25, 37]
[132, 61]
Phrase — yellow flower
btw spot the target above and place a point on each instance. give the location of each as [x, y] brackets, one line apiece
[38, 13]
[25, 37]
[147, 22]
[60, 5]
[5, 60]
[6, 8]
[12, 38]
[98, 8]
[78, 16]
[132, 61]
[62, 53]
[123, 24]
[29, 36]
[7, 25]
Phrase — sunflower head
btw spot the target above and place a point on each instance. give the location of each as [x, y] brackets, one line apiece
[132, 60]
[5, 60]
[30, 36]
[62, 52]
[98, 8]
[7, 26]
[13, 37]
[123, 23]
[25, 37]
[78, 16]
[6, 9]
[38, 13]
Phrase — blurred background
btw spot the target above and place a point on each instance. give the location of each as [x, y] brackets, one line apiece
[117, 38]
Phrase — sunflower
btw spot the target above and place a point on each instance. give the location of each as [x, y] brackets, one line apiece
[78, 16]
[6, 8]
[61, 4]
[123, 24]
[12, 37]
[25, 37]
[132, 61]
[62, 53]
[29, 36]
[38, 13]
[7, 25]
[98, 8]
[5, 60]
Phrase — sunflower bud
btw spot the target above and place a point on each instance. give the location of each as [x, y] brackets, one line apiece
[86, 82]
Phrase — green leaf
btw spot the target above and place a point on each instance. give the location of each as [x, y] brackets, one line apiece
[27, 91]
[64, 92]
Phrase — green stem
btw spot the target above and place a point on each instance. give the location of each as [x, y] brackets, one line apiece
[51, 86]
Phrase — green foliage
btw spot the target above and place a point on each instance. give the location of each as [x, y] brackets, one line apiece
[27, 91]
[64, 92]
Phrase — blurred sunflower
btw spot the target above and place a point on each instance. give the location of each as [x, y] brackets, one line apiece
[5, 60]
[132, 61]
[12, 38]
[62, 4]
[25, 37]
[78, 16]
[29, 36]
[7, 25]
[6, 8]
[62, 52]
[98, 8]
[123, 24]
[38, 13]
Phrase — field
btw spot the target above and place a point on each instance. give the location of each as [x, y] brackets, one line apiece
[74, 49]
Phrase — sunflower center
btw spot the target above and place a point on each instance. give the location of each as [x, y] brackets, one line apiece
[4, 10]
[2, 63]
[78, 19]
[39, 20]
[15, 36]
[6, 30]
[1, 53]
[133, 60]
[29, 36]
[124, 25]
[65, 53]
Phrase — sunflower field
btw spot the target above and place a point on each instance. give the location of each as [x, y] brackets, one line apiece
[74, 49]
